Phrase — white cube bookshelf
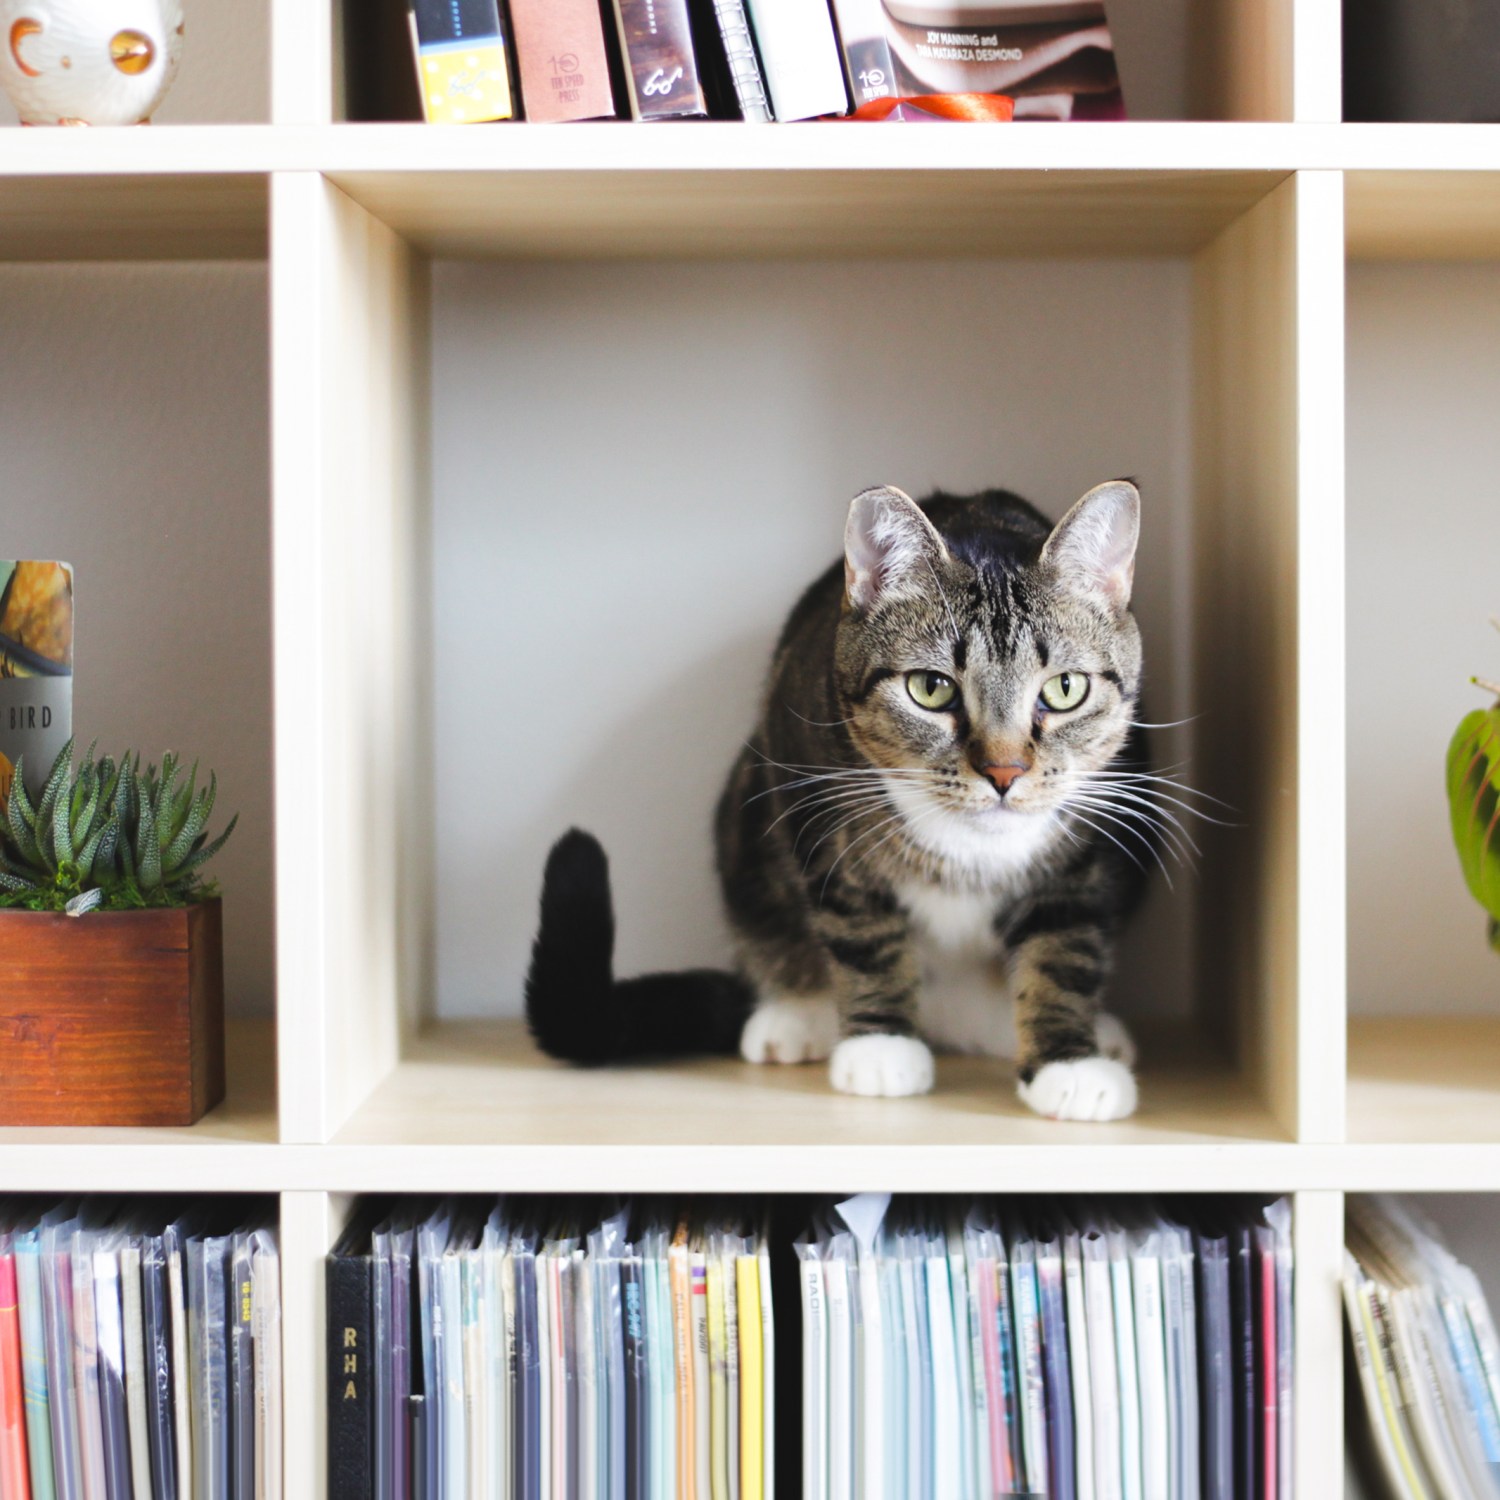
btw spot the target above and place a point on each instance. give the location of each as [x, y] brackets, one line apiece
[423, 302]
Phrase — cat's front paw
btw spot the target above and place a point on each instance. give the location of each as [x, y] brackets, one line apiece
[789, 1030]
[1087, 1088]
[889, 1067]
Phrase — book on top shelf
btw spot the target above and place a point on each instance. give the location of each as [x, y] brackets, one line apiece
[463, 69]
[800, 56]
[662, 76]
[562, 59]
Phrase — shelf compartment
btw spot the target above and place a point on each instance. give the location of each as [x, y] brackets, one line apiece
[1422, 978]
[133, 417]
[464, 420]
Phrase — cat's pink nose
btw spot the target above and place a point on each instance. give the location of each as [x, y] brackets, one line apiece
[1003, 777]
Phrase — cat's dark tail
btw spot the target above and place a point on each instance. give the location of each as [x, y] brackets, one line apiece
[577, 1010]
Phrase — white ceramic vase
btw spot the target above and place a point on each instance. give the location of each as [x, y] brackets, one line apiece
[88, 62]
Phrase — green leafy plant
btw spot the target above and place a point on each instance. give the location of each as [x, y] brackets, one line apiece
[1474, 803]
[109, 838]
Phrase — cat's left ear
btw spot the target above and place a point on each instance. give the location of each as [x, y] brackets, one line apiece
[1093, 546]
[890, 547]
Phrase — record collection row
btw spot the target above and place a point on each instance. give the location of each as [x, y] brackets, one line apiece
[140, 1352]
[950, 1350]
[1078, 1350]
[533, 1349]
[1427, 1358]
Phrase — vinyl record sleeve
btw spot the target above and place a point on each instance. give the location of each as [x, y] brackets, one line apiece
[57, 1302]
[133, 1322]
[1217, 1350]
[1151, 1361]
[114, 1410]
[837, 1271]
[265, 1276]
[1061, 1446]
[242, 1369]
[1034, 1375]
[1078, 1353]
[87, 1383]
[28, 1253]
[1103, 1373]
[1131, 1482]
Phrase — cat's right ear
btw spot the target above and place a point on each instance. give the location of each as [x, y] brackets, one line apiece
[890, 548]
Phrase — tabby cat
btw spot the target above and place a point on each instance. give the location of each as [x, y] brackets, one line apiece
[938, 811]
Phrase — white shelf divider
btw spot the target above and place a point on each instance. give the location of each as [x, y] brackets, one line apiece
[349, 361]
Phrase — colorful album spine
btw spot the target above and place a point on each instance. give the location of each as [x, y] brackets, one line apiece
[752, 1379]
[718, 1382]
[1061, 1457]
[661, 63]
[702, 1398]
[157, 1317]
[768, 1367]
[34, 1365]
[241, 1305]
[563, 62]
[86, 1373]
[112, 1397]
[265, 1272]
[14, 1477]
[680, 1270]
[745, 72]
[463, 68]
[1032, 1389]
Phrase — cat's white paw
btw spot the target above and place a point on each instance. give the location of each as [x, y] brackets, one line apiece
[889, 1067]
[1113, 1039]
[790, 1030]
[1088, 1088]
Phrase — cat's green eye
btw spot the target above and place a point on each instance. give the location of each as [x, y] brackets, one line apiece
[931, 690]
[1066, 690]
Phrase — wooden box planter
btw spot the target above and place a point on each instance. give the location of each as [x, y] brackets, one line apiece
[115, 1018]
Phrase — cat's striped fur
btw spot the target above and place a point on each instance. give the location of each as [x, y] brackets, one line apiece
[862, 834]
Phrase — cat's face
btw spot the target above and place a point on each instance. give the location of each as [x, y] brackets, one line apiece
[991, 674]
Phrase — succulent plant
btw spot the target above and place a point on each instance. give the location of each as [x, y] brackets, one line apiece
[1474, 803]
[110, 836]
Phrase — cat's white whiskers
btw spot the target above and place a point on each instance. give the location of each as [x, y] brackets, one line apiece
[1148, 786]
[1127, 798]
[1182, 852]
[1145, 842]
[1170, 724]
[851, 845]
[830, 803]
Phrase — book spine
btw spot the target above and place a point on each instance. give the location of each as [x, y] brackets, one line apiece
[632, 1294]
[563, 63]
[349, 1392]
[132, 1312]
[115, 1419]
[752, 1379]
[463, 69]
[800, 56]
[742, 61]
[661, 63]
[86, 1374]
[869, 64]
[242, 1373]
[34, 1370]
[265, 1272]
[157, 1317]
[702, 1401]
[14, 1477]
[682, 1367]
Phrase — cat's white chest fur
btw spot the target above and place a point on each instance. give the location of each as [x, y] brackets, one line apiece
[963, 1004]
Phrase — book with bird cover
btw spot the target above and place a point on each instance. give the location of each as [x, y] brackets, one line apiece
[36, 668]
